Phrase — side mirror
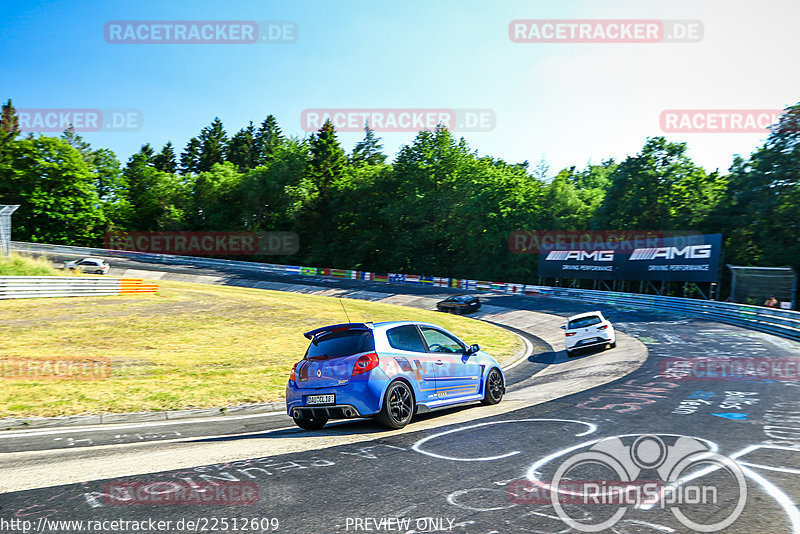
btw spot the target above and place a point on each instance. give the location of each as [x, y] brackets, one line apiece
[473, 349]
[563, 327]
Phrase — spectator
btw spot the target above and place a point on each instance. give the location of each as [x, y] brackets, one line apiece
[771, 302]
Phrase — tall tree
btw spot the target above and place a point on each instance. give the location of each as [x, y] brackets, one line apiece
[242, 151]
[327, 158]
[267, 140]
[147, 153]
[74, 139]
[190, 157]
[659, 189]
[9, 123]
[274, 196]
[762, 202]
[55, 188]
[213, 145]
[213, 204]
[155, 200]
[327, 164]
[164, 161]
[368, 150]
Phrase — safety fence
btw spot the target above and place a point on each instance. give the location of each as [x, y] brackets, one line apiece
[22, 287]
[784, 323]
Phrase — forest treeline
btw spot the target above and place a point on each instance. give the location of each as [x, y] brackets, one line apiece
[439, 208]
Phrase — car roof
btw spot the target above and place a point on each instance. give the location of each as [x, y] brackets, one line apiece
[582, 315]
[377, 327]
[385, 325]
[92, 258]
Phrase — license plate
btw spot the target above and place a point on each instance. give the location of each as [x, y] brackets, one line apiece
[320, 399]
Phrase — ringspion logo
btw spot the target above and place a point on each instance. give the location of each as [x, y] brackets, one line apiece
[647, 472]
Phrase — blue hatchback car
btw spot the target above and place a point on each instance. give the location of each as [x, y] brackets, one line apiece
[389, 371]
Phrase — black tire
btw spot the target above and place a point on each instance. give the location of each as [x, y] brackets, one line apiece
[309, 423]
[570, 353]
[398, 406]
[612, 345]
[494, 389]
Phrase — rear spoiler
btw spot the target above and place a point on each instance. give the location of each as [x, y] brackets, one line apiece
[336, 327]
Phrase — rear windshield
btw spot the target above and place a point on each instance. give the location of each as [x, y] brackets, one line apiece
[583, 322]
[339, 344]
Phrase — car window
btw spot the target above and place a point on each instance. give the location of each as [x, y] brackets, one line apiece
[438, 341]
[583, 322]
[340, 344]
[405, 338]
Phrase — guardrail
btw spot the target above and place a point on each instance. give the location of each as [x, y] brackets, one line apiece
[23, 287]
[785, 323]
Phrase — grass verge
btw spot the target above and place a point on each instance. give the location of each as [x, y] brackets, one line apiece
[22, 265]
[189, 346]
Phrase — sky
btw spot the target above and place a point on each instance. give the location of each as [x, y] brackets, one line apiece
[564, 103]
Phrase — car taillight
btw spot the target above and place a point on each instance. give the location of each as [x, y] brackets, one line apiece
[365, 363]
[292, 376]
[602, 327]
[569, 334]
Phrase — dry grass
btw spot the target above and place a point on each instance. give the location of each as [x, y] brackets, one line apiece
[23, 265]
[190, 345]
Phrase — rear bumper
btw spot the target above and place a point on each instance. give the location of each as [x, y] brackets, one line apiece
[359, 398]
[599, 339]
[339, 411]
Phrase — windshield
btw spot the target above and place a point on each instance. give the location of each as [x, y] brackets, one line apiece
[583, 322]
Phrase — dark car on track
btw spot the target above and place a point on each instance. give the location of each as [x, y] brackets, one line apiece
[459, 304]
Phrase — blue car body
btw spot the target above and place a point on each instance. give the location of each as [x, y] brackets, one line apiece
[348, 367]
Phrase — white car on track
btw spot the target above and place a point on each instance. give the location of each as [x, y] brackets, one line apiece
[88, 265]
[587, 330]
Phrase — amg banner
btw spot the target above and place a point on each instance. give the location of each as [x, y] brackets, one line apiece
[693, 258]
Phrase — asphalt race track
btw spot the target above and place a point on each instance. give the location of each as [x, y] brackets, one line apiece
[473, 475]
